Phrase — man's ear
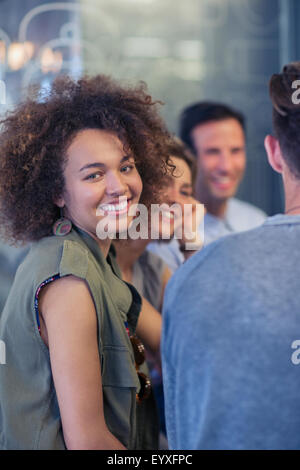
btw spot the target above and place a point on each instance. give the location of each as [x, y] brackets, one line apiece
[274, 153]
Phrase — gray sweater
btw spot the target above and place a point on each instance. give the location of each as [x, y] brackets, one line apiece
[229, 350]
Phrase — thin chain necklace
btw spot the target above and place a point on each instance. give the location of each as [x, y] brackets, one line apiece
[292, 209]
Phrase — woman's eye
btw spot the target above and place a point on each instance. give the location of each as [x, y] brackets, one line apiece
[186, 193]
[94, 176]
[127, 168]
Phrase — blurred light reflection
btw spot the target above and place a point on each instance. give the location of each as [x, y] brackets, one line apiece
[18, 54]
[51, 61]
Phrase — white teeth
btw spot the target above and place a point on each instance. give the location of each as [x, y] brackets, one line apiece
[114, 207]
[223, 180]
[168, 215]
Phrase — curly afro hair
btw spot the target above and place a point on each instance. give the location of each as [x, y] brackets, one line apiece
[35, 137]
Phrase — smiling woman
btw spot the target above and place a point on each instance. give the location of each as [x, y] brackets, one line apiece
[99, 181]
[69, 321]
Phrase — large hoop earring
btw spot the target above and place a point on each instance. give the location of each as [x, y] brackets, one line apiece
[62, 226]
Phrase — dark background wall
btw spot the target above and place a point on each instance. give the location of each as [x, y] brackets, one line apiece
[244, 54]
[185, 50]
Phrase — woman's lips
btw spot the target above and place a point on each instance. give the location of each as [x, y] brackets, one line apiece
[116, 208]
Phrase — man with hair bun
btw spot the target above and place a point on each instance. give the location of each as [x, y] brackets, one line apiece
[231, 341]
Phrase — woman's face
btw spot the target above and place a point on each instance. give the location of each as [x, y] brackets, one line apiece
[101, 181]
[179, 191]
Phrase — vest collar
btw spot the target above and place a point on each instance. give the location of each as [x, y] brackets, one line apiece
[92, 244]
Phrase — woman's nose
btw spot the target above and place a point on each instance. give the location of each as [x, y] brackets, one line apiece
[115, 185]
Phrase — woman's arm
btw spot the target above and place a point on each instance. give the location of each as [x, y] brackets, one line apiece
[165, 279]
[150, 322]
[69, 316]
[149, 326]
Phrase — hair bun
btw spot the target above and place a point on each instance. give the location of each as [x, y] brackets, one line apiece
[282, 89]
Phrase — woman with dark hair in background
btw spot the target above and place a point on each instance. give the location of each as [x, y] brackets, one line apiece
[67, 162]
[132, 256]
[147, 271]
[180, 190]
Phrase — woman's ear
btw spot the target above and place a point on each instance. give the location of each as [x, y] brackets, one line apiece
[59, 202]
[274, 153]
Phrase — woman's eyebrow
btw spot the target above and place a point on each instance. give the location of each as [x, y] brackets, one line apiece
[126, 157]
[92, 165]
[102, 165]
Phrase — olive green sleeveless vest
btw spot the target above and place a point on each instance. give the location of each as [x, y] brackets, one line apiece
[29, 412]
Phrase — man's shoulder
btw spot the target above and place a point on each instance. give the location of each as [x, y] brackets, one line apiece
[232, 250]
[185, 273]
[158, 246]
[242, 215]
[235, 204]
[168, 251]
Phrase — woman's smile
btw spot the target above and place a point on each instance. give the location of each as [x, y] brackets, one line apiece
[116, 207]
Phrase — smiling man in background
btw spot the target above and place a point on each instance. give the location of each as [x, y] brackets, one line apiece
[216, 135]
